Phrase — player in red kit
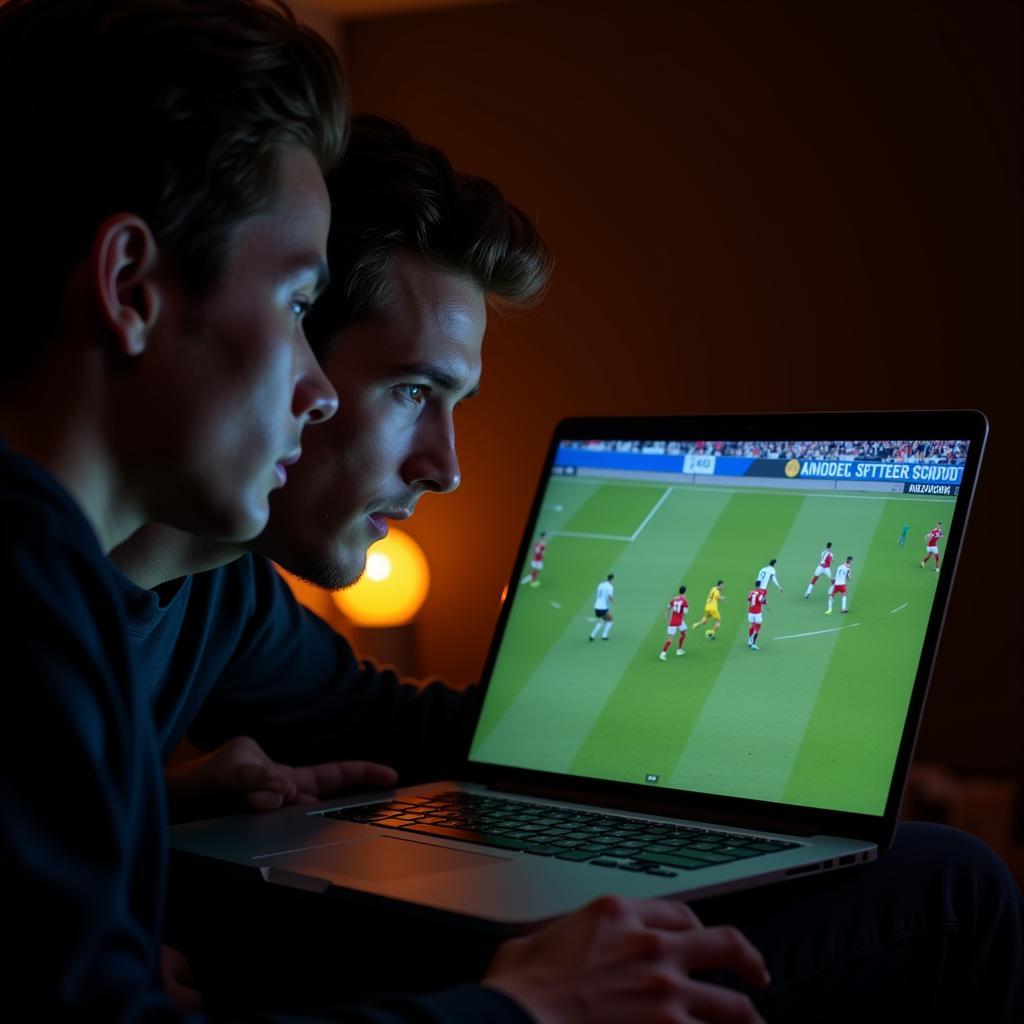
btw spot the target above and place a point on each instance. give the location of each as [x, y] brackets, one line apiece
[676, 614]
[824, 568]
[538, 560]
[757, 599]
[843, 574]
[931, 540]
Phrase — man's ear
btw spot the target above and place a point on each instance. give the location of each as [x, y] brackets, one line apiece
[124, 266]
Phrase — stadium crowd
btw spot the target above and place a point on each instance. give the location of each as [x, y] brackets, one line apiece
[952, 453]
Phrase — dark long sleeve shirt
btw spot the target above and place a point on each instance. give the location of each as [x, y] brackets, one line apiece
[83, 817]
[230, 652]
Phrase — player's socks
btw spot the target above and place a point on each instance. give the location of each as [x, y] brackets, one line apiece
[607, 630]
[668, 643]
[595, 630]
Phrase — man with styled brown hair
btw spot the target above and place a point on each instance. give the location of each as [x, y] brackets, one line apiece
[154, 368]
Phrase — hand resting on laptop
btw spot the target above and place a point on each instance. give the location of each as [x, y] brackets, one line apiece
[240, 776]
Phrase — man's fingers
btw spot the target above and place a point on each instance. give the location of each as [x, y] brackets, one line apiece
[724, 946]
[671, 915]
[668, 915]
[718, 1005]
[264, 799]
[334, 776]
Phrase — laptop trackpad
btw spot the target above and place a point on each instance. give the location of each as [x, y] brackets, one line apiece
[381, 859]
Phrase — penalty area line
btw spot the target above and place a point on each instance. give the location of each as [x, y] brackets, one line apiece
[901, 607]
[588, 536]
[817, 632]
[650, 515]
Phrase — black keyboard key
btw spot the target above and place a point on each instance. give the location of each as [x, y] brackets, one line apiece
[674, 861]
[465, 836]
[578, 855]
[739, 852]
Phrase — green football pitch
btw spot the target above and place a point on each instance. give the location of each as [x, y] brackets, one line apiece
[812, 718]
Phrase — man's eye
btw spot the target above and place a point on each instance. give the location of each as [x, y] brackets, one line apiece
[416, 393]
[300, 307]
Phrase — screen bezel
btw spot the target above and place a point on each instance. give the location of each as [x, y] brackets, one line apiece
[968, 425]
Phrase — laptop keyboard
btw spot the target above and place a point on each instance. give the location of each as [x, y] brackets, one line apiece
[604, 840]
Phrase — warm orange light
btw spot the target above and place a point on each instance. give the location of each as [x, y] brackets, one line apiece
[394, 586]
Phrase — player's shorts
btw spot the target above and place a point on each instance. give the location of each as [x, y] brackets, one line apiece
[681, 628]
[757, 617]
[602, 613]
[932, 549]
[839, 588]
[823, 570]
[536, 565]
[711, 612]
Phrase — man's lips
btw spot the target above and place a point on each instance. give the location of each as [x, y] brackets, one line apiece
[287, 460]
[379, 520]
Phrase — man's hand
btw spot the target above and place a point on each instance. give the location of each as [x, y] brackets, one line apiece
[177, 978]
[240, 776]
[627, 960]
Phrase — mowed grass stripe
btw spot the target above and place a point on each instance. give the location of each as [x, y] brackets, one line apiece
[648, 721]
[851, 742]
[615, 509]
[572, 568]
[555, 710]
[751, 730]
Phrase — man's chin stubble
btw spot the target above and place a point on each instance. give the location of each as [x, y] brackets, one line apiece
[326, 573]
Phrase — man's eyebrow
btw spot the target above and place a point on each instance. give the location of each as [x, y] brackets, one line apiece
[315, 265]
[323, 278]
[450, 382]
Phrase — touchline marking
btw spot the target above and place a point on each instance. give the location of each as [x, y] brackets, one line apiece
[555, 604]
[817, 632]
[587, 536]
[650, 515]
[901, 607]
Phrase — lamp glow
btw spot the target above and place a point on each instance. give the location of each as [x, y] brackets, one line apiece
[378, 566]
[394, 586]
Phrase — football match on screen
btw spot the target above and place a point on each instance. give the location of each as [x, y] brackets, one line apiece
[735, 618]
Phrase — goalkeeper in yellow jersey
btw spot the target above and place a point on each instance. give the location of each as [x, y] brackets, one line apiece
[711, 610]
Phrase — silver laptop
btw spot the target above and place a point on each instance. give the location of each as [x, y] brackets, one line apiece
[616, 750]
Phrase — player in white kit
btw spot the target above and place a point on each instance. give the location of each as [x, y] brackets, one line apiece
[843, 574]
[603, 601]
[768, 573]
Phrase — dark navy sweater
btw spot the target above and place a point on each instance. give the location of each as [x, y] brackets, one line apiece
[83, 808]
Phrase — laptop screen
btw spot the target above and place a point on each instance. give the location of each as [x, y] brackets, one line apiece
[738, 618]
